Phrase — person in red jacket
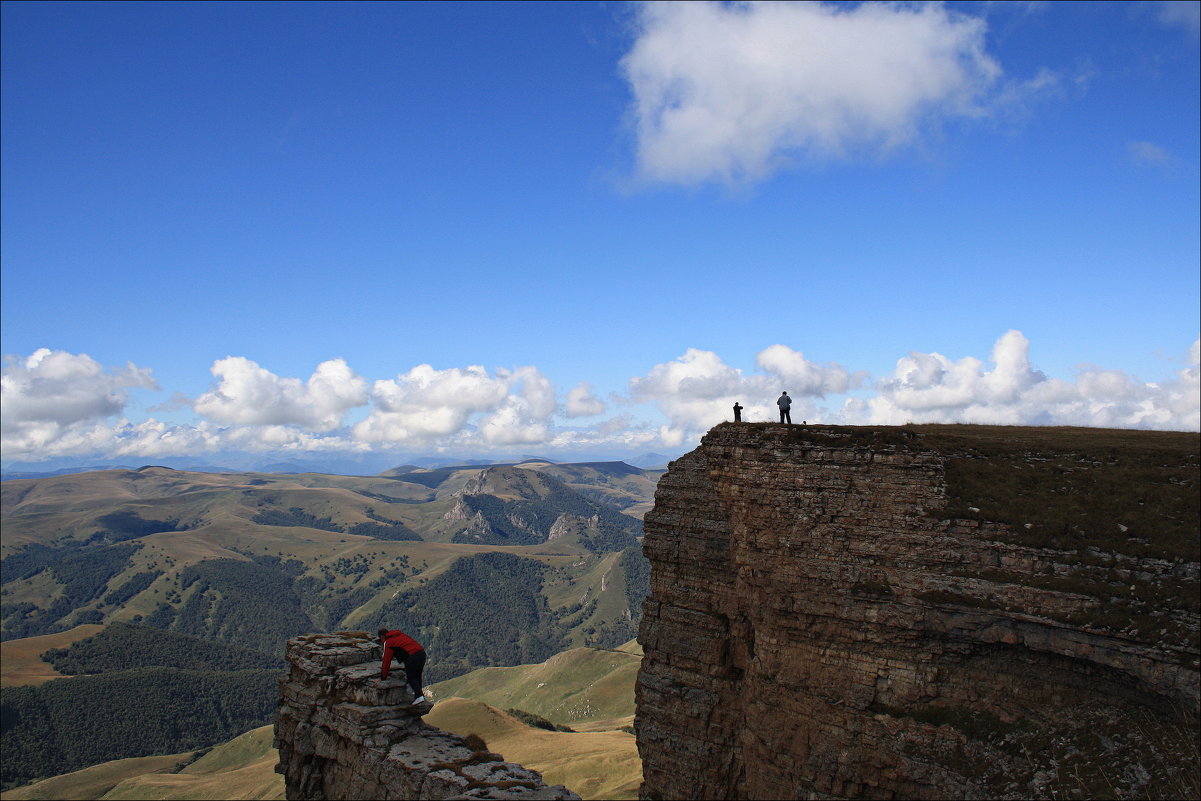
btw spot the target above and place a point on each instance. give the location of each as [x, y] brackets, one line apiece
[407, 652]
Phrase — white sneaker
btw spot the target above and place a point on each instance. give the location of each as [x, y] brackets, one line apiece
[419, 699]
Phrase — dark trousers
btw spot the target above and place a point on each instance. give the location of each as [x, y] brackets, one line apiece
[414, 664]
[785, 415]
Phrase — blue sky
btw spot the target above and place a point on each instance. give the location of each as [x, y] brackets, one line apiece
[582, 229]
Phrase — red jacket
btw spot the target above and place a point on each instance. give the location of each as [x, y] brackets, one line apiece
[399, 644]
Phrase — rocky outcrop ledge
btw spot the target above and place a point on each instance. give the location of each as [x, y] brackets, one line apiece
[343, 734]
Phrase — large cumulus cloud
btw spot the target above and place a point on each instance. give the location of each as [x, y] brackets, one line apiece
[54, 401]
[426, 404]
[66, 388]
[929, 387]
[699, 389]
[731, 91]
[246, 393]
[582, 401]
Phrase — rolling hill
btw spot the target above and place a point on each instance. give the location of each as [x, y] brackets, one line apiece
[242, 768]
[253, 558]
[488, 565]
[583, 688]
[96, 781]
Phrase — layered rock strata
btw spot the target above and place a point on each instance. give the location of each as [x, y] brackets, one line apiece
[818, 628]
[343, 734]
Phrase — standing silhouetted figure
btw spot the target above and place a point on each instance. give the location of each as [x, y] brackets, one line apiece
[737, 412]
[785, 404]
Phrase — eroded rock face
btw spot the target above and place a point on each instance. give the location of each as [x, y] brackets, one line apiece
[816, 629]
[342, 734]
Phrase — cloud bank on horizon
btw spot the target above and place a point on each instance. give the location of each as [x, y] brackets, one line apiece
[59, 404]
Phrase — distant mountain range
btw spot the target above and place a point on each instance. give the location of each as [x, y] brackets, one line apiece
[236, 463]
[651, 461]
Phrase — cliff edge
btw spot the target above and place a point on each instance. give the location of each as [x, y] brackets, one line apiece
[923, 612]
[341, 734]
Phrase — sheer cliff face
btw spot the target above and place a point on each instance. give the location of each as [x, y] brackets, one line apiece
[342, 734]
[817, 628]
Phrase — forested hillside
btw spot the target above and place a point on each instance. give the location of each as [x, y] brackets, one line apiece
[81, 573]
[487, 609]
[135, 691]
[67, 724]
[253, 559]
[120, 646]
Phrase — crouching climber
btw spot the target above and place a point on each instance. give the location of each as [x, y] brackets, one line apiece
[409, 653]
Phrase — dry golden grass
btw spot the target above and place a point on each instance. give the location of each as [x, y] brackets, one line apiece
[242, 769]
[631, 647]
[188, 547]
[95, 781]
[19, 662]
[571, 688]
[597, 765]
[609, 724]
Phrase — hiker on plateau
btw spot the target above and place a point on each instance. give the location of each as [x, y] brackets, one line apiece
[737, 412]
[785, 404]
[409, 653]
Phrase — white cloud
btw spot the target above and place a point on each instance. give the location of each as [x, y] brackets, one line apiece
[697, 375]
[614, 425]
[695, 391]
[425, 404]
[927, 388]
[1147, 153]
[509, 425]
[54, 399]
[247, 394]
[732, 91]
[615, 434]
[65, 388]
[284, 438]
[581, 402]
[1180, 13]
[698, 390]
[61, 404]
[523, 417]
[802, 376]
[151, 438]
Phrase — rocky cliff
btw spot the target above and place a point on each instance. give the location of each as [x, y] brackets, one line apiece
[927, 612]
[342, 734]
